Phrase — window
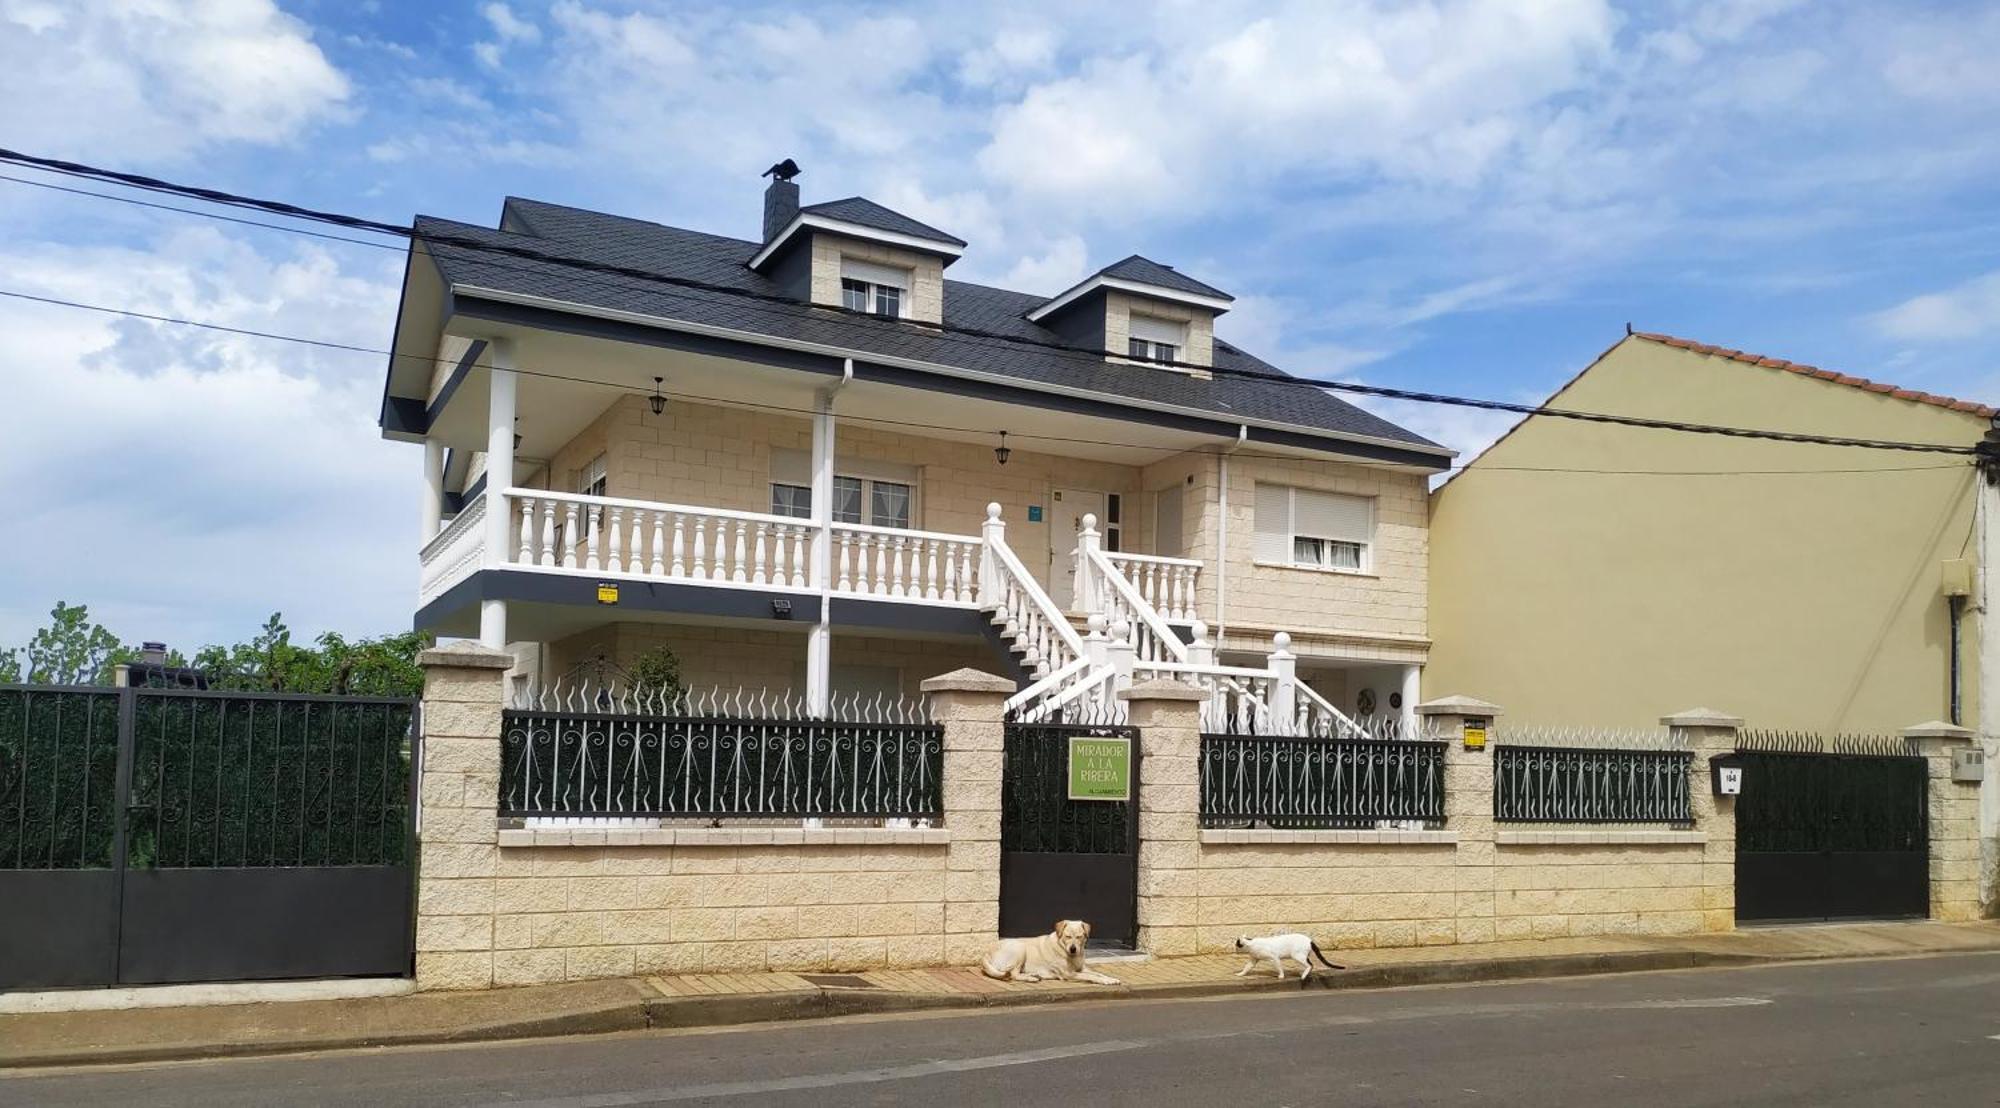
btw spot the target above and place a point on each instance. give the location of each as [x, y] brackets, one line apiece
[1313, 529]
[791, 500]
[878, 494]
[1154, 339]
[876, 289]
[590, 480]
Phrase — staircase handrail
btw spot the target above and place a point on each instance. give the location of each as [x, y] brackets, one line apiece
[1148, 617]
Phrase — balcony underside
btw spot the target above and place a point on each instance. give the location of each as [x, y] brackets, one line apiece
[546, 604]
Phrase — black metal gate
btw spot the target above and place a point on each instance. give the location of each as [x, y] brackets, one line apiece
[1831, 830]
[1063, 858]
[153, 836]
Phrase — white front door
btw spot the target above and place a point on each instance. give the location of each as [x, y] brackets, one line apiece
[1067, 507]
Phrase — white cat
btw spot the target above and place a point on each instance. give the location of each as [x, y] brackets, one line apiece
[1277, 948]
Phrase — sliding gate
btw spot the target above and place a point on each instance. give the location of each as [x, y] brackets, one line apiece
[152, 836]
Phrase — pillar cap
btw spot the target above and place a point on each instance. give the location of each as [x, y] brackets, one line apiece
[465, 655]
[1457, 706]
[1939, 729]
[1702, 717]
[1161, 688]
[969, 680]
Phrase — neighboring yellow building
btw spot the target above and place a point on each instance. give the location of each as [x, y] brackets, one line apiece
[1596, 574]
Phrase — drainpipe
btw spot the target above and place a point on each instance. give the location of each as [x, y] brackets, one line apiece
[1222, 535]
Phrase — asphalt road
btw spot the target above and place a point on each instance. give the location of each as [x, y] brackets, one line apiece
[1903, 1031]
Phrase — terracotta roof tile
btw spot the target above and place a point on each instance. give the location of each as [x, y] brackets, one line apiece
[1947, 402]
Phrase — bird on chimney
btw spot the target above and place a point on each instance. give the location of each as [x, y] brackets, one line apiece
[783, 171]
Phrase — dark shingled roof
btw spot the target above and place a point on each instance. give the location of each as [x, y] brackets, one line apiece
[1146, 271]
[867, 213]
[716, 260]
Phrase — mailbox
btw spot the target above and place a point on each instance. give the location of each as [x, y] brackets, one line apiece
[1475, 732]
[1725, 774]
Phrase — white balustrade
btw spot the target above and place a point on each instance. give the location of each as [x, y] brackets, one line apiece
[454, 553]
[670, 541]
[905, 565]
[1168, 584]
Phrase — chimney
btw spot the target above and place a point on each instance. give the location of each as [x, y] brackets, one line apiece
[781, 206]
[153, 653]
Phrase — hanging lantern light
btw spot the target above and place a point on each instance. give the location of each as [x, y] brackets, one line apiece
[1001, 452]
[656, 401]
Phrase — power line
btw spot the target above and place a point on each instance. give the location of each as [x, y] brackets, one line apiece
[1378, 391]
[884, 421]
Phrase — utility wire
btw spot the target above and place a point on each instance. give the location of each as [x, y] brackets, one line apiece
[884, 421]
[1378, 391]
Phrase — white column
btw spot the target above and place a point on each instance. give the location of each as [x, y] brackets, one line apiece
[819, 641]
[1412, 686]
[1284, 669]
[433, 514]
[499, 477]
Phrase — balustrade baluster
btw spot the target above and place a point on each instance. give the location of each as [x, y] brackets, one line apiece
[700, 546]
[740, 554]
[930, 569]
[569, 536]
[896, 564]
[845, 581]
[802, 540]
[526, 554]
[680, 546]
[757, 574]
[548, 543]
[613, 563]
[594, 515]
[659, 563]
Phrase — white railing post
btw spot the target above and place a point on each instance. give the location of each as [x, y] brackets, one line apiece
[1284, 668]
[1096, 644]
[1088, 541]
[991, 533]
[1122, 655]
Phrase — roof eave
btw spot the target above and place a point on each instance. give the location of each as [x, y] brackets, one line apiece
[1096, 281]
[1444, 453]
[805, 220]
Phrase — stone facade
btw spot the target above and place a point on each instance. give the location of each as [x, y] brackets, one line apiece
[1199, 349]
[926, 292]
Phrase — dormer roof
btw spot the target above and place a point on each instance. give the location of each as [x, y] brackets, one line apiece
[861, 218]
[1143, 277]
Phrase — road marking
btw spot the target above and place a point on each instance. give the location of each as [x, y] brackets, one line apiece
[829, 1080]
[1703, 1002]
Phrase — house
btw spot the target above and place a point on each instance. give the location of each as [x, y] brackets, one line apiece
[1588, 573]
[808, 460]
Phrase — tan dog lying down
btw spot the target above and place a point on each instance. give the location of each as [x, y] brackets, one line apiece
[1056, 956]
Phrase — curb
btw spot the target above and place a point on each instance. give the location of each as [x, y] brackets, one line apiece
[643, 1013]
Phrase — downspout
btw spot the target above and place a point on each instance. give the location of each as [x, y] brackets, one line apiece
[1222, 534]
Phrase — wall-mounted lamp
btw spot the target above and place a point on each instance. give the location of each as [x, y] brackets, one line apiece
[1001, 452]
[656, 401]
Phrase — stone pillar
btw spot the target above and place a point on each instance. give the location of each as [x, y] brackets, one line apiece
[1468, 808]
[1168, 716]
[969, 705]
[457, 801]
[1954, 821]
[1711, 734]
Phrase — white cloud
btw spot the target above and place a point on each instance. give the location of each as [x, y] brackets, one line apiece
[135, 82]
[193, 481]
[1966, 311]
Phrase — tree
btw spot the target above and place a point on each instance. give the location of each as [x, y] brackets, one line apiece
[10, 666]
[71, 650]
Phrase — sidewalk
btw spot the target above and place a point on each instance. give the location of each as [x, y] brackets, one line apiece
[588, 1007]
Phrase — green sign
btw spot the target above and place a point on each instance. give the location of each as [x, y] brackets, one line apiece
[1100, 769]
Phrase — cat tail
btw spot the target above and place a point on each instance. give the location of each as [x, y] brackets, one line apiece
[1317, 953]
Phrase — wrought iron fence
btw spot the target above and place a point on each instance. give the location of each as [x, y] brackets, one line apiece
[234, 779]
[1807, 742]
[583, 751]
[1552, 784]
[1036, 814]
[1314, 783]
[58, 776]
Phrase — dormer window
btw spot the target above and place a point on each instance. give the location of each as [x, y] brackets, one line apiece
[1156, 340]
[876, 289]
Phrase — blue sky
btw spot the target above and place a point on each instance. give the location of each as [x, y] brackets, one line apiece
[1471, 197]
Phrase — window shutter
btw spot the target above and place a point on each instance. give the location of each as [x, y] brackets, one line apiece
[1272, 538]
[1153, 329]
[1329, 515]
[856, 269]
